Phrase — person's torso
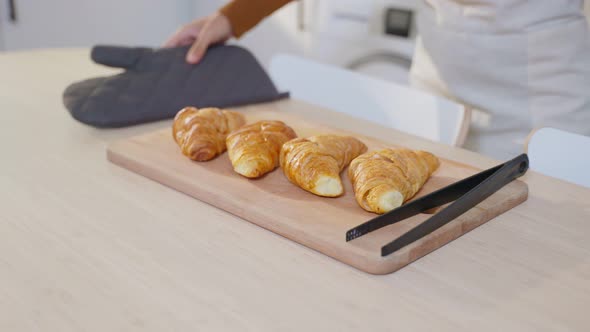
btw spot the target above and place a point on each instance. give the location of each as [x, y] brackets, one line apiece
[525, 63]
[502, 16]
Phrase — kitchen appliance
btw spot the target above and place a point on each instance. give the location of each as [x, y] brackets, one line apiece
[272, 202]
[376, 37]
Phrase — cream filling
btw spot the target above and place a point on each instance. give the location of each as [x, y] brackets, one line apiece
[328, 186]
[389, 201]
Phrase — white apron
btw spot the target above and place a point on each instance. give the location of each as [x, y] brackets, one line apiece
[524, 63]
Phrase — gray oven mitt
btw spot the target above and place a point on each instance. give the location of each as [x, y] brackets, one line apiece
[156, 84]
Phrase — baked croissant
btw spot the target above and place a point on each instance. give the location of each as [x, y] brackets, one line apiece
[315, 163]
[201, 133]
[385, 179]
[254, 149]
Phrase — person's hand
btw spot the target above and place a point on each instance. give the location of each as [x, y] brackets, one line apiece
[201, 33]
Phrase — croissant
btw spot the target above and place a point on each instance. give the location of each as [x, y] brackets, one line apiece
[385, 179]
[201, 133]
[254, 149]
[315, 163]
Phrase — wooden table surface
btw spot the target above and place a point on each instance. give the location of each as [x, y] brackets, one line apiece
[88, 246]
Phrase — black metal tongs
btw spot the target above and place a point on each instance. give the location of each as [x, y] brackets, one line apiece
[466, 193]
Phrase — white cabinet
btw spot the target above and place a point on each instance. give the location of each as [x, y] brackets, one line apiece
[66, 23]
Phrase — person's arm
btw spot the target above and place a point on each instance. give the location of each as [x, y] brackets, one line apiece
[235, 18]
[243, 15]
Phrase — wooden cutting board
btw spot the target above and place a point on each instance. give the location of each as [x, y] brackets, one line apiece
[272, 202]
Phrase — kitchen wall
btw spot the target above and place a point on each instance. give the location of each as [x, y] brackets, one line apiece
[83, 23]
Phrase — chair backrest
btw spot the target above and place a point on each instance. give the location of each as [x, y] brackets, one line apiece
[389, 104]
[560, 154]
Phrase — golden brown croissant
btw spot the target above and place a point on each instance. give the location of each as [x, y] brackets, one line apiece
[254, 149]
[201, 133]
[385, 179]
[315, 163]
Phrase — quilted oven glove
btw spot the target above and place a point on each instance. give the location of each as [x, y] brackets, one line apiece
[158, 83]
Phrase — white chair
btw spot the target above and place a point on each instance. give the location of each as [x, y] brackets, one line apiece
[560, 154]
[389, 104]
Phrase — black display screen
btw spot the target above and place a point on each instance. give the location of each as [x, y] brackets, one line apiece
[398, 22]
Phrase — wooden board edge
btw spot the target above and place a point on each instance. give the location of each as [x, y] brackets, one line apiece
[443, 236]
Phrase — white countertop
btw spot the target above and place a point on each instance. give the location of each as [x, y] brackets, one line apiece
[88, 246]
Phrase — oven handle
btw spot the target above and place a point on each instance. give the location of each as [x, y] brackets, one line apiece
[398, 59]
[12, 11]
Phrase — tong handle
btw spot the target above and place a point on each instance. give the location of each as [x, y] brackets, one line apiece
[504, 174]
[435, 199]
